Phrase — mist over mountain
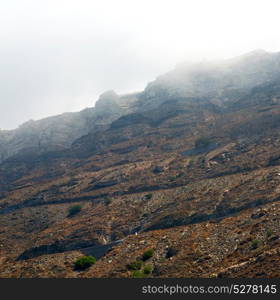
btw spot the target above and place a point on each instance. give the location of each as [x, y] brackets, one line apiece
[216, 81]
[182, 176]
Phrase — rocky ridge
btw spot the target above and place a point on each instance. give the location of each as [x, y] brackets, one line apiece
[194, 169]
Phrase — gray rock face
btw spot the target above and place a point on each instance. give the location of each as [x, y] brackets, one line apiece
[47, 134]
[107, 101]
[213, 80]
[59, 132]
[216, 82]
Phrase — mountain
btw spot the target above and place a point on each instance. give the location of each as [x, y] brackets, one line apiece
[189, 167]
[58, 132]
[216, 81]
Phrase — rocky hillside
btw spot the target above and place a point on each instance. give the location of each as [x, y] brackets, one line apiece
[189, 168]
[59, 132]
[217, 82]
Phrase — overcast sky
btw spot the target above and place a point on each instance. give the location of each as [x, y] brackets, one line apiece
[58, 56]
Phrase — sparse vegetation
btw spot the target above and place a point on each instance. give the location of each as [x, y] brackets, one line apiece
[149, 196]
[84, 262]
[255, 244]
[148, 254]
[73, 210]
[148, 269]
[191, 163]
[146, 215]
[269, 233]
[204, 196]
[136, 265]
[137, 274]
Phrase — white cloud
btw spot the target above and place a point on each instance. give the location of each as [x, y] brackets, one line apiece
[60, 55]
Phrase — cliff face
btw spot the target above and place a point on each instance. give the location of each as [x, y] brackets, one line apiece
[195, 174]
[218, 82]
[59, 132]
[45, 135]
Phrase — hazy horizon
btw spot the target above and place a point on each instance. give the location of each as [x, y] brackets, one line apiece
[59, 56]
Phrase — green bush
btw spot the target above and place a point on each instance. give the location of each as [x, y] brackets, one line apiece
[136, 265]
[149, 196]
[142, 273]
[73, 210]
[84, 262]
[148, 269]
[146, 215]
[255, 244]
[191, 162]
[269, 233]
[137, 274]
[202, 142]
[148, 254]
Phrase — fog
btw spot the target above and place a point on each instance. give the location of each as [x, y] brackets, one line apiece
[58, 56]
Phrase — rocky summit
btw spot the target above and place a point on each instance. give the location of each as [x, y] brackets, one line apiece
[179, 180]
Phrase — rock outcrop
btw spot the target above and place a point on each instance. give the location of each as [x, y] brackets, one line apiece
[59, 132]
